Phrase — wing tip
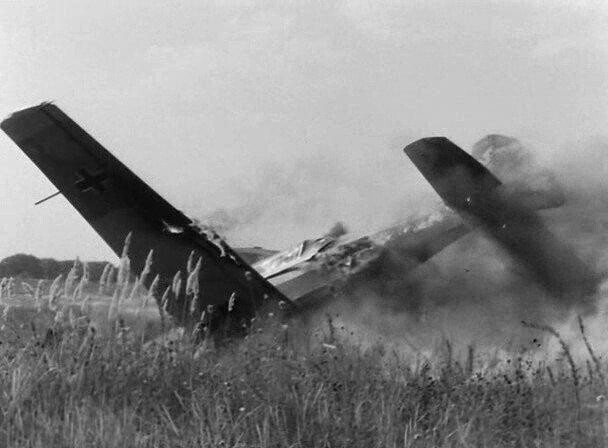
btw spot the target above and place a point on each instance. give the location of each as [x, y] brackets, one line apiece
[452, 172]
[421, 143]
[25, 110]
[17, 122]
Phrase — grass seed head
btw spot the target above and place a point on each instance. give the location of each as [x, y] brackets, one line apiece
[134, 290]
[3, 282]
[10, 288]
[103, 279]
[165, 298]
[71, 278]
[192, 283]
[125, 247]
[232, 302]
[147, 267]
[190, 263]
[177, 284]
[152, 290]
[54, 291]
[38, 292]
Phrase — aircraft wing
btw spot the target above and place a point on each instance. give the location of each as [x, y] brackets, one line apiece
[315, 269]
[116, 202]
[507, 216]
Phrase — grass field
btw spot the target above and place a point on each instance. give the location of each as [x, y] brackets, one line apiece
[93, 372]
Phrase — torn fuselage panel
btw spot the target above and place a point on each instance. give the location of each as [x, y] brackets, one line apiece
[368, 261]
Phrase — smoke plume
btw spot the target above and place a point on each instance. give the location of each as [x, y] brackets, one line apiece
[475, 291]
[479, 290]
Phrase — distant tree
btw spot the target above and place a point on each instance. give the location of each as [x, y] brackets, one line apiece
[24, 265]
[20, 265]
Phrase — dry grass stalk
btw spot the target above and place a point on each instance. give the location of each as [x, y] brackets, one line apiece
[105, 276]
[566, 350]
[59, 315]
[164, 301]
[176, 286]
[124, 266]
[84, 280]
[150, 294]
[594, 358]
[147, 266]
[449, 354]
[122, 282]
[38, 294]
[470, 359]
[54, 291]
[231, 302]
[85, 272]
[3, 282]
[112, 277]
[85, 305]
[72, 318]
[141, 280]
[9, 288]
[162, 307]
[152, 290]
[190, 263]
[126, 245]
[193, 286]
[135, 289]
[192, 282]
[114, 302]
[70, 279]
[590, 371]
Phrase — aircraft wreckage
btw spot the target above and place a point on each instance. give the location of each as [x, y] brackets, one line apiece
[117, 203]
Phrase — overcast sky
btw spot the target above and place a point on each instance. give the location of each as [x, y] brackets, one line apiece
[288, 115]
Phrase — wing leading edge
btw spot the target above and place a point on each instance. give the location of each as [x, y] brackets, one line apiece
[115, 202]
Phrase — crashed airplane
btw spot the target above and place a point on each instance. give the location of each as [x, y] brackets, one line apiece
[117, 203]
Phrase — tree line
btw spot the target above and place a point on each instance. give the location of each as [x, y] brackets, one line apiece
[29, 266]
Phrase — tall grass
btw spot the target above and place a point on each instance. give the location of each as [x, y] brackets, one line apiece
[90, 370]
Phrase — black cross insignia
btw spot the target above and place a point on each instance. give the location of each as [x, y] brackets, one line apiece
[88, 181]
